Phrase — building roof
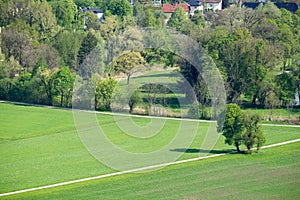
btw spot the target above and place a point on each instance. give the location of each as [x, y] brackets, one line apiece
[94, 10]
[292, 7]
[195, 2]
[170, 8]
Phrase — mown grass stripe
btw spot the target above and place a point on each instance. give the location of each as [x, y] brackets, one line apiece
[135, 170]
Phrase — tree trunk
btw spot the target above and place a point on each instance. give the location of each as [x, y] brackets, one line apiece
[254, 99]
[61, 99]
[128, 77]
[237, 147]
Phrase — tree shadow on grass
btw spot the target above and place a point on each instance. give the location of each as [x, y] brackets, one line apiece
[193, 150]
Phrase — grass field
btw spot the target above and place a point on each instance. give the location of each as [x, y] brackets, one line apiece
[170, 78]
[272, 174]
[40, 146]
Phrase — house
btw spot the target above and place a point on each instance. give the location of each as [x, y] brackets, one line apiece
[99, 13]
[195, 5]
[169, 9]
[156, 3]
[204, 5]
[214, 5]
[292, 7]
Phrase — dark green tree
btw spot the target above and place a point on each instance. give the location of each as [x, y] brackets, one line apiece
[88, 44]
[253, 134]
[68, 43]
[233, 127]
[120, 8]
[63, 85]
[178, 20]
[85, 3]
[65, 12]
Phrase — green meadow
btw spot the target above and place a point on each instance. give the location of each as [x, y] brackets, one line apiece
[40, 146]
[271, 174]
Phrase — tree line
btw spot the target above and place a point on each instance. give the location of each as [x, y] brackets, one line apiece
[44, 44]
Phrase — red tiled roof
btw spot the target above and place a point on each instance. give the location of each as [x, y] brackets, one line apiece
[170, 8]
[211, 1]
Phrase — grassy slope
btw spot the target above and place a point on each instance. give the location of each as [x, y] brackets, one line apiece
[27, 121]
[272, 174]
[44, 147]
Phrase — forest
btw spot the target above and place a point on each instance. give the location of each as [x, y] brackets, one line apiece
[44, 43]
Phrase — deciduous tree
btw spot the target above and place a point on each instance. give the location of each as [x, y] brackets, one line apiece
[253, 134]
[127, 62]
[233, 127]
[62, 85]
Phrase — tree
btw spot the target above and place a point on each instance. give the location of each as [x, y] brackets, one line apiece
[149, 18]
[134, 100]
[63, 84]
[104, 93]
[91, 21]
[50, 55]
[233, 127]
[6, 12]
[178, 20]
[38, 14]
[67, 44]
[287, 87]
[127, 62]
[20, 46]
[88, 44]
[110, 26]
[253, 132]
[42, 78]
[84, 3]
[65, 12]
[272, 101]
[120, 8]
[198, 19]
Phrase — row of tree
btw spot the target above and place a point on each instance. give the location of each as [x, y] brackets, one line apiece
[45, 43]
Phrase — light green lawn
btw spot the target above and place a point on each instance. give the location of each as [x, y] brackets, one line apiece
[271, 174]
[171, 79]
[39, 146]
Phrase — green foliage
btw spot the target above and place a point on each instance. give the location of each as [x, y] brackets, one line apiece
[68, 43]
[37, 147]
[242, 128]
[91, 21]
[193, 111]
[6, 12]
[287, 87]
[120, 8]
[256, 51]
[110, 26]
[134, 99]
[127, 62]
[253, 134]
[179, 20]
[65, 12]
[198, 19]
[88, 44]
[233, 126]
[84, 3]
[104, 93]
[63, 85]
